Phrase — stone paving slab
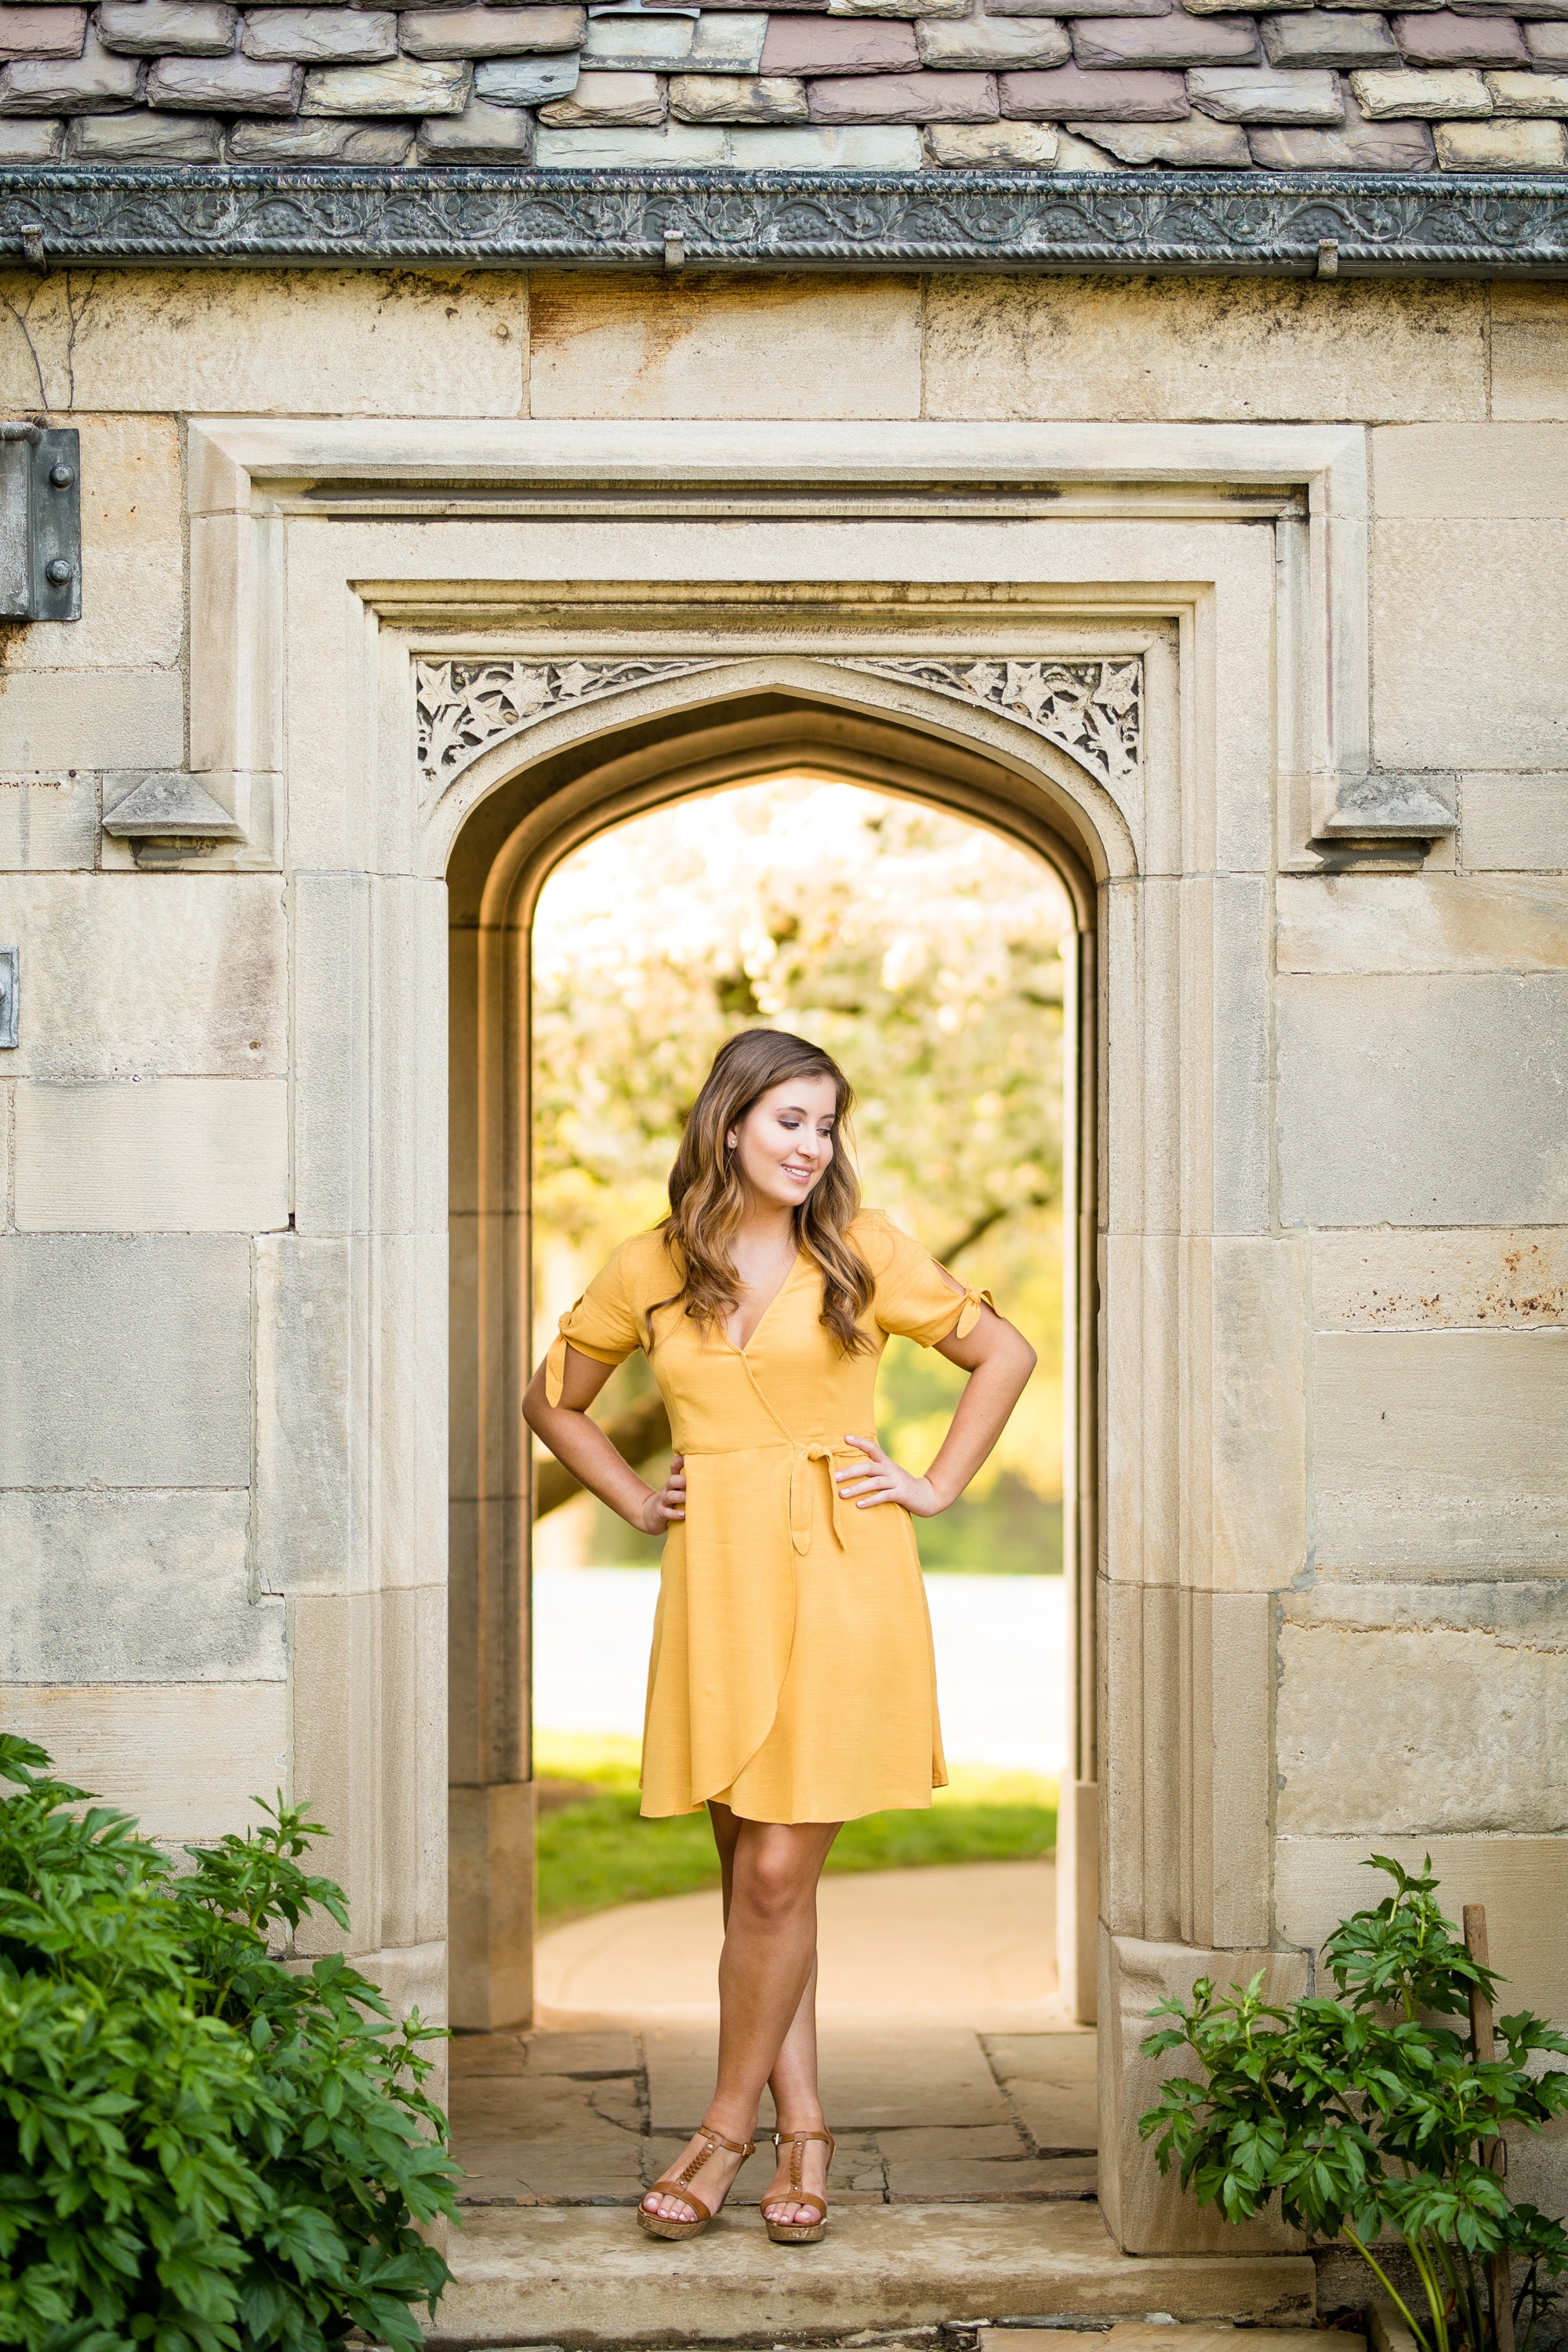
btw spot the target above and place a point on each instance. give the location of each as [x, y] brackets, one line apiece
[584, 2276]
[1050, 2080]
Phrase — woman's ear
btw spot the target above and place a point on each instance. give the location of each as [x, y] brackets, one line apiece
[729, 1143]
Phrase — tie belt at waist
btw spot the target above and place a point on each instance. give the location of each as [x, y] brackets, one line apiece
[800, 1507]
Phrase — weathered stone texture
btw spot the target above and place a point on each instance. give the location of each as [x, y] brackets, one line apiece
[144, 136]
[812, 45]
[1434, 96]
[1502, 146]
[1254, 94]
[1438, 1452]
[482, 133]
[1514, 822]
[320, 35]
[102, 1390]
[1409, 1101]
[608, 100]
[154, 1155]
[48, 822]
[1357, 145]
[488, 32]
[1176, 39]
[905, 97]
[96, 82]
[1332, 37]
[1001, 146]
[1069, 93]
[406, 86]
[1366, 923]
[188, 975]
[1513, 1279]
[1497, 591]
[169, 28]
[47, 32]
[1196, 144]
[993, 46]
[133, 1587]
[1412, 1711]
[1444, 37]
[737, 98]
[185, 1757]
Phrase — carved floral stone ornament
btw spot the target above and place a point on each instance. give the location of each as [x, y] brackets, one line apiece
[1093, 709]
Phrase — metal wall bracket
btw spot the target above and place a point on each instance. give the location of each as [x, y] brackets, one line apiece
[40, 523]
[10, 975]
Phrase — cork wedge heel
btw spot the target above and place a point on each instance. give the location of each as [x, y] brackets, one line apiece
[676, 2185]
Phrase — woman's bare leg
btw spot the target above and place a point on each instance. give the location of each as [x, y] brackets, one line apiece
[768, 1965]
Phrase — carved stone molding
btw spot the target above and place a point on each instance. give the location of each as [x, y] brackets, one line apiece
[1093, 709]
[1423, 224]
[463, 707]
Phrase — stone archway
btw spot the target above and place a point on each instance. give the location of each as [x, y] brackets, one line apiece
[499, 864]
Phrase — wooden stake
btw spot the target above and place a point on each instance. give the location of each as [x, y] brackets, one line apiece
[1483, 2041]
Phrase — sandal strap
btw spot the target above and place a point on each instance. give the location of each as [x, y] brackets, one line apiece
[797, 2140]
[675, 2182]
[679, 2188]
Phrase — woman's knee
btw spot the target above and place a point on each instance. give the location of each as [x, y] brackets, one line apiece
[776, 1874]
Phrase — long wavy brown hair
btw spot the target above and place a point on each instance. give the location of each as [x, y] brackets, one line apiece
[708, 1197]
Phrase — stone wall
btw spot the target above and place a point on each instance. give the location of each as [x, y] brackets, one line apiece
[177, 1497]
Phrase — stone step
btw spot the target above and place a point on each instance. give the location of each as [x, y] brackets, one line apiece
[585, 2275]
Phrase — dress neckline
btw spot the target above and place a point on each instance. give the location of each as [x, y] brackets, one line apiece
[768, 1310]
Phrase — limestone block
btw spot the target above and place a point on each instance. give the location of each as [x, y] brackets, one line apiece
[47, 32]
[489, 32]
[612, 345]
[1516, 146]
[100, 1586]
[1148, 2211]
[1438, 1451]
[994, 146]
[1027, 346]
[360, 36]
[1518, 823]
[526, 81]
[309, 1296]
[1247, 1295]
[48, 822]
[403, 87]
[1443, 37]
[187, 1759]
[413, 1780]
[1516, 1279]
[1413, 1101]
[1336, 39]
[132, 521]
[1265, 94]
[737, 98]
[492, 1839]
[1496, 590]
[158, 138]
[606, 100]
[97, 82]
[1068, 92]
[24, 139]
[1357, 146]
[188, 975]
[905, 97]
[1422, 1709]
[337, 1728]
[305, 342]
[1530, 340]
[1528, 93]
[1433, 95]
[1516, 473]
[1368, 923]
[157, 1155]
[97, 718]
[1050, 2079]
[482, 133]
[129, 1362]
[235, 85]
[1195, 143]
[321, 141]
[1522, 1881]
[1547, 44]
[994, 44]
[167, 28]
[410, 1976]
[1176, 39]
[810, 44]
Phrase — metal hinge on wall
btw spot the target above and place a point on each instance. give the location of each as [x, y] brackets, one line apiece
[40, 523]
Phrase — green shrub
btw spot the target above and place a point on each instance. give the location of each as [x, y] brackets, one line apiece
[200, 2147]
[1364, 2117]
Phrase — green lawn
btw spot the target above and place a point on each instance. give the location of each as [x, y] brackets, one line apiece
[595, 1851]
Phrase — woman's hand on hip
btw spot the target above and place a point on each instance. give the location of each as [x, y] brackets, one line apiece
[666, 1503]
[879, 1479]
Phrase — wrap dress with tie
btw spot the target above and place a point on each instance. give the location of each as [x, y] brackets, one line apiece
[792, 1677]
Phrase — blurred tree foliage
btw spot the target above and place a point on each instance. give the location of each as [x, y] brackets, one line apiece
[923, 953]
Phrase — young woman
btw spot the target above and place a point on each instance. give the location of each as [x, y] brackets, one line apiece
[791, 1686]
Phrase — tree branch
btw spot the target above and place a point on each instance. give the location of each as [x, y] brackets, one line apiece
[981, 1226]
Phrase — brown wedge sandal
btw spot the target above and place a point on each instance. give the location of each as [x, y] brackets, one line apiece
[675, 2183]
[799, 2233]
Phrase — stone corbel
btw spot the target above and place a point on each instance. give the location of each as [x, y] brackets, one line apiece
[1380, 805]
[168, 819]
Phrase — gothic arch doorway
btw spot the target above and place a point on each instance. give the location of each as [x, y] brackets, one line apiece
[524, 818]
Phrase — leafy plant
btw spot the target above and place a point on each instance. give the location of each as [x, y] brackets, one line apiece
[201, 2148]
[1365, 2116]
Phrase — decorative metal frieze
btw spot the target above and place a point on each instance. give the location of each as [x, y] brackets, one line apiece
[1421, 223]
[1093, 709]
[464, 707]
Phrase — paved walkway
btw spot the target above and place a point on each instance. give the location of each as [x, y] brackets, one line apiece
[950, 2074]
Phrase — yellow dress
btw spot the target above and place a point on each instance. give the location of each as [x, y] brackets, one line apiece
[791, 1674]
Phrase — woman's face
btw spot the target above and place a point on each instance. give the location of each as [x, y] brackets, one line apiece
[785, 1142]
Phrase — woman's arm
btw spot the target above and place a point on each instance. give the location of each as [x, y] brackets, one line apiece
[588, 1454]
[998, 1360]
